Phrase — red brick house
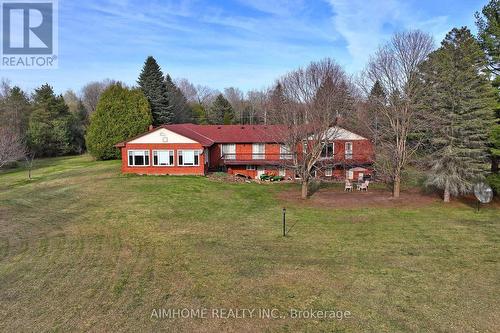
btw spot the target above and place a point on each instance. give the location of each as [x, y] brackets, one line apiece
[247, 150]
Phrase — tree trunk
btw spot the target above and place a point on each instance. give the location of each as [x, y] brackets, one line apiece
[396, 186]
[305, 189]
[446, 197]
[494, 164]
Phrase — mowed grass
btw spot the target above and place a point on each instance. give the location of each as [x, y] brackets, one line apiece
[84, 248]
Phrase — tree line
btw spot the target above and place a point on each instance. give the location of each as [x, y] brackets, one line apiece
[422, 106]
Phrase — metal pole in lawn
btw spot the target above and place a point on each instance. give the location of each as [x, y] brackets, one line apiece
[284, 222]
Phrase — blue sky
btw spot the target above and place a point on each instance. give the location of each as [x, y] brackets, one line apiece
[242, 43]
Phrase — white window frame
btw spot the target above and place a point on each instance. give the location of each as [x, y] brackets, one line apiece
[231, 152]
[328, 172]
[260, 154]
[350, 174]
[144, 155]
[285, 152]
[282, 172]
[180, 153]
[348, 152]
[333, 150]
[170, 153]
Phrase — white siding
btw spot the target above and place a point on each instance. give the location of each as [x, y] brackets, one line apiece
[162, 135]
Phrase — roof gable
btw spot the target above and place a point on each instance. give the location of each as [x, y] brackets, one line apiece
[339, 133]
[162, 135]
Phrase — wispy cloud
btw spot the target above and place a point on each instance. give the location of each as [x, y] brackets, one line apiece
[365, 24]
[246, 43]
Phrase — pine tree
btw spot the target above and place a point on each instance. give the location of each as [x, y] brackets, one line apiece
[488, 23]
[199, 113]
[277, 102]
[376, 100]
[121, 114]
[15, 110]
[221, 111]
[180, 107]
[154, 88]
[458, 101]
[50, 125]
[489, 33]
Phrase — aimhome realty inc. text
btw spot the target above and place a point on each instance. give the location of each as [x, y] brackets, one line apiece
[257, 313]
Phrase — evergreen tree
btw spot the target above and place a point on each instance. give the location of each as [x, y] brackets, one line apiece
[277, 102]
[199, 113]
[489, 34]
[221, 111]
[376, 100]
[154, 88]
[50, 125]
[15, 110]
[121, 114]
[182, 113]
[80, 119]
[458, 99]
[488, 23]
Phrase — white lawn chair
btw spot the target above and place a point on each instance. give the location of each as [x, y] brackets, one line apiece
[363, 186]
[348, 186]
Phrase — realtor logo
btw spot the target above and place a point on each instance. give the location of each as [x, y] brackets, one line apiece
[29, 34]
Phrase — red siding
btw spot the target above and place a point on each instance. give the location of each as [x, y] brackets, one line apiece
[163, 170]
[363, 155]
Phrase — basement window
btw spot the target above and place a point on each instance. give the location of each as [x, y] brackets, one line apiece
[188, 157]
[163, 157]
[138, 157]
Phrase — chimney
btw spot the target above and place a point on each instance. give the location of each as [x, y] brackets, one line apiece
[338, 119]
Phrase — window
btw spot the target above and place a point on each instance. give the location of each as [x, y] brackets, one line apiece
[259, 151]
[327, 151]
[285, 152]
[188, 157]
[348, 150]
[282, 172]
[228, 151]
[328, 172]
[138, 157]
[251, 167]
[163, 157]
[350, 174]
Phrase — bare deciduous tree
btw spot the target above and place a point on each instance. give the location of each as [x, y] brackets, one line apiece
[257, 108]
[236, 98]
[91, 93]
[206, 95]
[11, 145]
[395, 67]
[307, 103]
[188, 89]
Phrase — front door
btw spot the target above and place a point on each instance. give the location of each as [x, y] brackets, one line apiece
[260, 171]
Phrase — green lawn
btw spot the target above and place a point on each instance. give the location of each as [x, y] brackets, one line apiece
[83, 247]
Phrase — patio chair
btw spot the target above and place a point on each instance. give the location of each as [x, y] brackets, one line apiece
[363, 186]
[348, 186]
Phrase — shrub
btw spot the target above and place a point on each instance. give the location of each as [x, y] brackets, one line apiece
[121, 114]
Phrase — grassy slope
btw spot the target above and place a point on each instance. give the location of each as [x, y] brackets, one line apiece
[83, 247]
